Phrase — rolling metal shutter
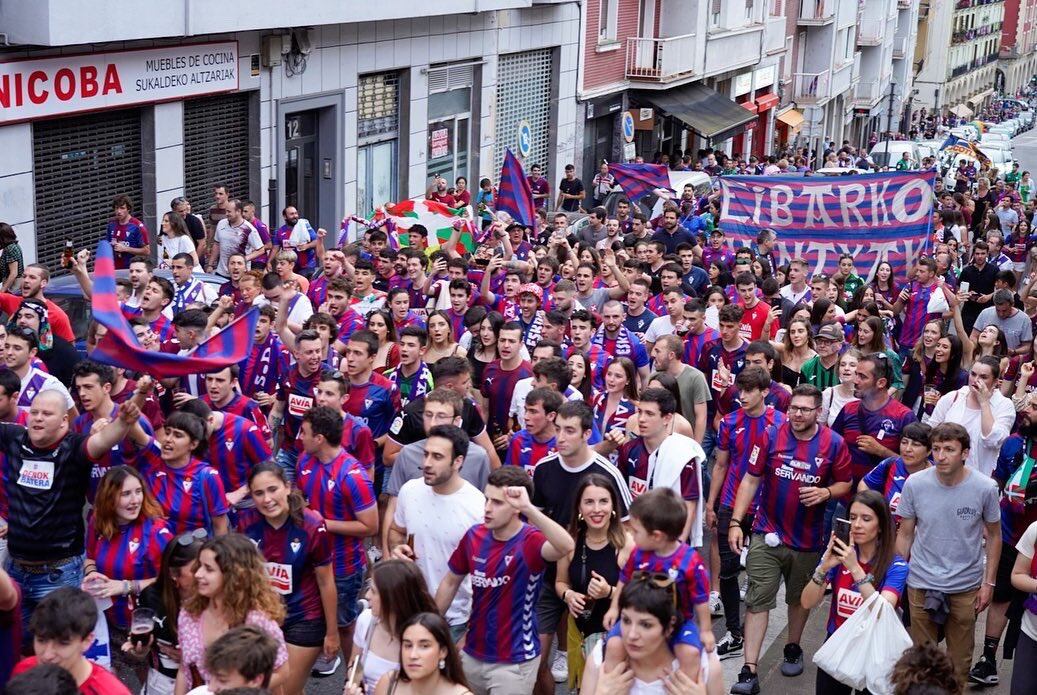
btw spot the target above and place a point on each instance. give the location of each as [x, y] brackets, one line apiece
[523, 93]
[80, 164]
[216, 148]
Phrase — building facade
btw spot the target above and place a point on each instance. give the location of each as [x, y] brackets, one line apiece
[332, 107]
[1017, 61]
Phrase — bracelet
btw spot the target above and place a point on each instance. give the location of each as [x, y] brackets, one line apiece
[829, 491]
[612, 590]
[818, 577]
[869, 578]
[125, 587]
[734, 522]
[991, 584]
[564, 593]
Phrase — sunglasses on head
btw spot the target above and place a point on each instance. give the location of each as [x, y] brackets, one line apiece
[199, 534]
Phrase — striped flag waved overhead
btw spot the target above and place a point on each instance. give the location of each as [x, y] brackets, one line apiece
[637, 180]
[119, 346]
[514, 195]
[434, 216]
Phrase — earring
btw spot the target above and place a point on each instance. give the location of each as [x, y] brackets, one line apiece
[579, 516]
[442, 664]
[613, 513]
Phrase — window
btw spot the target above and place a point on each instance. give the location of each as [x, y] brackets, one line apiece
[750, 6]
[608, 18]
[714, 13]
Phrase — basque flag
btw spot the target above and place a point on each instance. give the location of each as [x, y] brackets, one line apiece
[514, 196]
[120, 348]
[637, 180]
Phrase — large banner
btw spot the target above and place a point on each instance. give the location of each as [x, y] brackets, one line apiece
[872, 217]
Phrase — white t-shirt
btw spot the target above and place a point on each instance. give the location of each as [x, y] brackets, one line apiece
[299, 309]
[517, 409]
[658, 328]
[1025, 546]
[374, 666]
[438, 522]
[171, 246]
[36, 381]
[234, 240]
[832, 404]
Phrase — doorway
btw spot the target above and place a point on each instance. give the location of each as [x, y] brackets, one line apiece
[301, 177]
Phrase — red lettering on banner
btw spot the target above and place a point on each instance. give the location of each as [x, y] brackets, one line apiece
[34, 96]
[111, 80]
[88, 81]
[65, 84]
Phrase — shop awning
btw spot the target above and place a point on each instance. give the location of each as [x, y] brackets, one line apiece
[767, 101]
[961, 111]
[978, 99]
[706, 111]
[792, 118]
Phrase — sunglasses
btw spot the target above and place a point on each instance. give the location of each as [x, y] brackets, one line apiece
[199, 534]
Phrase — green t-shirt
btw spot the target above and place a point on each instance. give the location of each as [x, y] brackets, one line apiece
[813, 372]
[1013, 177]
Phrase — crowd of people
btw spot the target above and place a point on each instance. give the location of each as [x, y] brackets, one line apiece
[550, 459]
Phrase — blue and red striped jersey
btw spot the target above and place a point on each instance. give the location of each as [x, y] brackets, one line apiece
[357, 440]
[265, 368]
[506, 582]
[191, 496]
[375, 403]
[132, 233]
[599, 361]
[634, 463]
[1018, 496]
[123, 453]
[888, 478]
[845, 597]
[161, 326]
[135, 552]
[456, 322]
[787, 464]
[695, 342]
[684, 566]
[292, 553]
[916, 313]
[624, 409]
[777, 396]
[524, 450]
[234, 450]
[737, 435]
[884, 424]
[411, 318]
[245, 407]
[297, 394]
[497, 387]
[338, 491]
[712, 356]
[318, 291]
[625, 344]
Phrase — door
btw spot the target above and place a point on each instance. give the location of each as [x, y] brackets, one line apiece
[376, 176]
[301, 178]
[646, 50]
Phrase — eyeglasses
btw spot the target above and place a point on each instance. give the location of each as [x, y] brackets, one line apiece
[802, 411]
[199, 534]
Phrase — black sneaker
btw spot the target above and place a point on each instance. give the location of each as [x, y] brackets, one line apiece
[793, 663]
[748, 683]
[729, 646]
[984, 673]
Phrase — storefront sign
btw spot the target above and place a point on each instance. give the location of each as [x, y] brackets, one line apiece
[645, 114]
[440, 143]
[764, 77]
[42, 87]
[628, 126]
[743, 84]
[525, 139]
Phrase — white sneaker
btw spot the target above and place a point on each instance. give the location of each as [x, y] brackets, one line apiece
[326, 667]
[560, 667]
[716, 606]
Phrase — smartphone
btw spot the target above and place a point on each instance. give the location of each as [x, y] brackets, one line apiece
[964, 287]
[355, 676]
[842, 530]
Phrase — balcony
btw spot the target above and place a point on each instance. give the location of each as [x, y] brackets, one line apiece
[774, 35]
[969, 4]
[870, 32]
[660, 60]
[899, 47]
[904, 4]
[866, 94]
[811, 87]
[733, 49]
[816, 13]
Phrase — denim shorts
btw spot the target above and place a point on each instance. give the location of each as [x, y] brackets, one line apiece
[287, 459]
[348, 589]
[306, 633]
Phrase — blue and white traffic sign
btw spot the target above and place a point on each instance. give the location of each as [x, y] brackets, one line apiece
[525, 139]
[628, 127]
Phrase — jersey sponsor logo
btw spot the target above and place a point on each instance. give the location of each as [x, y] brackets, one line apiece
[787, 472]
[894, 502]
[480, 580]
[298, 405]
[37, 475]
[848, 603]
[638, 486]
[280, 576]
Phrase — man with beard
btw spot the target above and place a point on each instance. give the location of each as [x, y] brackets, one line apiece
[35, 278]
[671, 234]
[619, 341]
[237, 267]
[231, 236]
[332, 266]
[530, 316]
[296, 234]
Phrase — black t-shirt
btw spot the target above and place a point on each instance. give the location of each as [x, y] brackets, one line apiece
[554, 486]
[46, 491]
[165, 631]
[195, 228]
[409, 427]
[574, 187]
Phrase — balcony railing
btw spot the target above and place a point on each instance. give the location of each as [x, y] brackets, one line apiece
[866, 94]
[967, 4]
[817, 12]
[899, 47]
[869, 32]
[660, 60]
[811, 87]
[967, 35]
[904, 4]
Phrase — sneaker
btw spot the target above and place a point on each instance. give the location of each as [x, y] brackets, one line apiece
[748, 683]
[743, 587]
[326, 667]
[984, 673]
[730, 646]
[793, 663]
[716, 606]
[560, 667]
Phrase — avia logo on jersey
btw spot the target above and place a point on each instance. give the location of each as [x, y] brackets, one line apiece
[298, 404]
[789, 473]
[479, 579]
[638, 486]
[280, 576]
[848, 603]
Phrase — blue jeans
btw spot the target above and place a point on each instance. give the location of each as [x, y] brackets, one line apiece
[348, 589]
[286, 460]
[44, 580]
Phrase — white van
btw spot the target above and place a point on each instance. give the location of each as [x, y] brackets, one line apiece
[888, 152]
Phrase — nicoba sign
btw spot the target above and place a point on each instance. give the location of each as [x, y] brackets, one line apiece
[43, 87]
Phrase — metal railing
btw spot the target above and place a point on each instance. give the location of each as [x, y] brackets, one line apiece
[660, 60]
[866, 92]
[811, 86]
[869, 32]
[817, 11]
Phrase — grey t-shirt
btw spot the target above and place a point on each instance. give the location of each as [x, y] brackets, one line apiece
[1017, 328]
[694, 390]
[595, 301]
[947, 553]
[407, 466]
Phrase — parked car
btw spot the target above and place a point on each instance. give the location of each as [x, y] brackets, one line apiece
[888, 152]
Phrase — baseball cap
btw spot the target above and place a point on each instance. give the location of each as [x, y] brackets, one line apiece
[830, 331]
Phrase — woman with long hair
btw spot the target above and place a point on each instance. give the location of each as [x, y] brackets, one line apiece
[834, 398]
[614, 406]
[397, 592]
[795, 348]
[582, 377]
[294, 540]
[719, 275]
[662, 380]
[868, 563]
[588, 576]
[232, 588]
[885, 285]
[441, 342]
[124, 545]
[890, 475]
[990, 341]
[823, 311]
[175, 238]
[870, 337]
[484, 344]
[173, 586]
[11, 261]
[943, 374]
[429, 661]
[381, 324]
